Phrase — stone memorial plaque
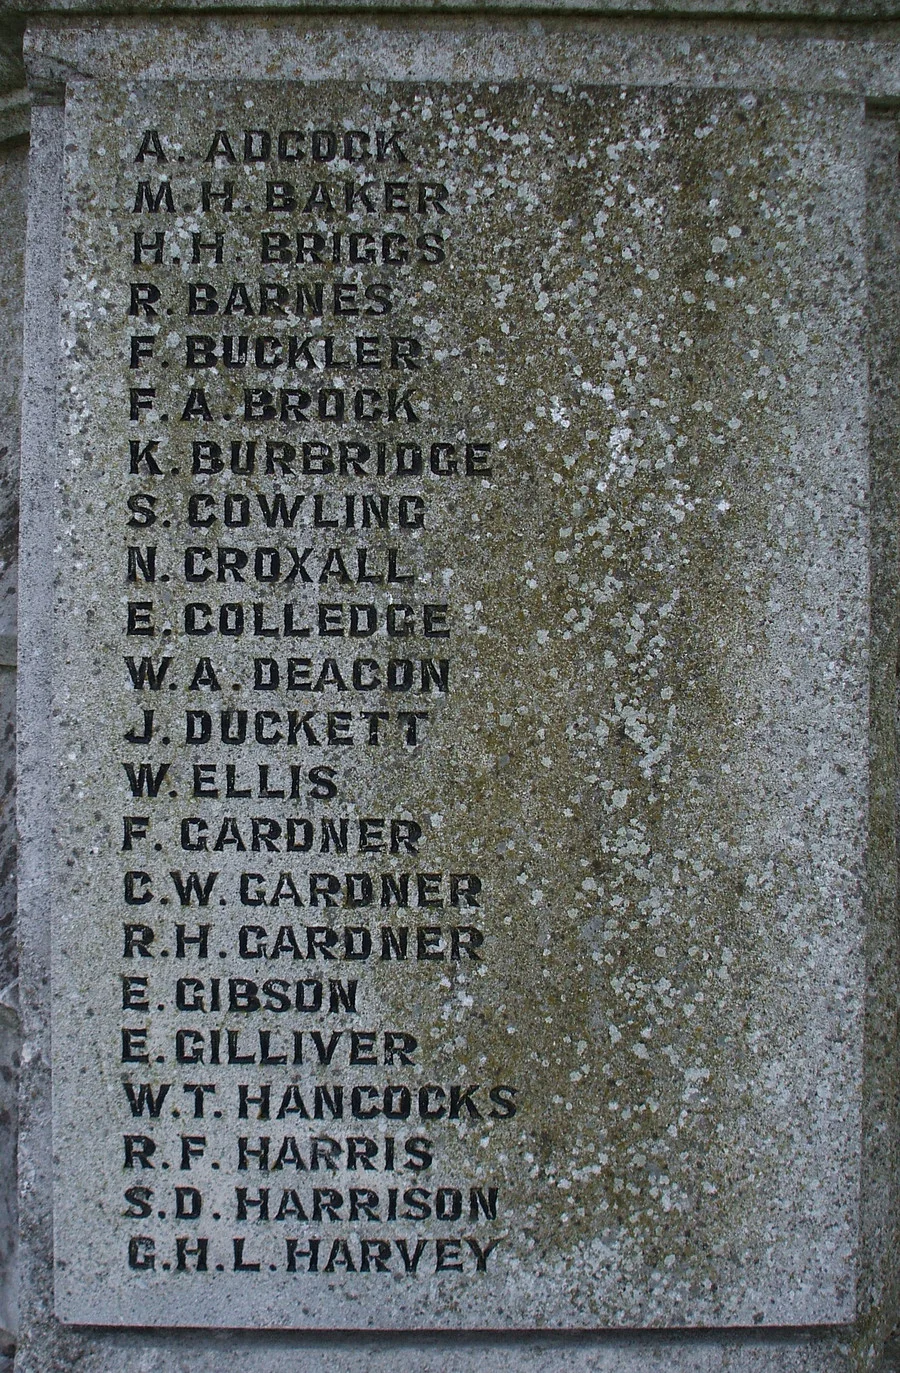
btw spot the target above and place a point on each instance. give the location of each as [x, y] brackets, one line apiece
[460, 696]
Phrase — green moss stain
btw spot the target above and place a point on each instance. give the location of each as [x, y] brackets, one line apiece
[627, 315]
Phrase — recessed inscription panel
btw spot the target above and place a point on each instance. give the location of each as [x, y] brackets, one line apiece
[460, 695]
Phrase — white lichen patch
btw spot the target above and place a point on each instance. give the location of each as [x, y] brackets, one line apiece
[575, 554]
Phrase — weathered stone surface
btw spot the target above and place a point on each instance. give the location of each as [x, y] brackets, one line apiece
[40, 1348]
[151, 1351]
[650, 309]
[9, 1046]
[13, 177]
[13, 160]
[13, 182]
[13, 110]
[852, 10]
[12, 74]
[880, 1262]
[423, 49]
[453, 48]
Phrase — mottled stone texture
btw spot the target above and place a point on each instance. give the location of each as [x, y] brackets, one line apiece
[450, 48]
[666, 55]
[763, 9]
[12, 72]
[642, 315]
[13, 179]
[879, 1218]
[39, 382]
